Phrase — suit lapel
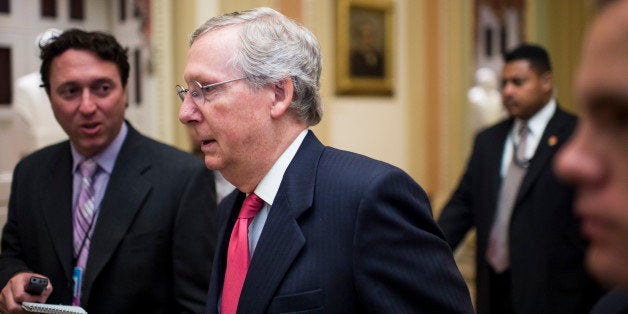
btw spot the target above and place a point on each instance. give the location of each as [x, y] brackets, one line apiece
[554, 135]
[281, 239]
[57, 211]
[126, 191]
[233, 205]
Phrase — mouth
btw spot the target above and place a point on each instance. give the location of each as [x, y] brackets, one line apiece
[589, 226]
[207, 145]
[594, 227]
[90, 128]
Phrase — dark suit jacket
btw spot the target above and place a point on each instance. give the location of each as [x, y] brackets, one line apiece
[546, 250]
[153, 244]
[614, 302]
[345, 234]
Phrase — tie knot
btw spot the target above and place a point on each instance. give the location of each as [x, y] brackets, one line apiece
[523, 130]
[88, 168]
[252, 205]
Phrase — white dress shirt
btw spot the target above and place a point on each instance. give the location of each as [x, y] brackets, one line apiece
[268, 187]
[536, 124]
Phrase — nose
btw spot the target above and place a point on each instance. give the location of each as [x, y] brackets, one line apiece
[577, 162]
[507, 89]
[87, 105]
[188, 112]
[565, 162]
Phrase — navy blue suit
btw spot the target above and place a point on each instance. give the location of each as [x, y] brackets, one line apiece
[345, 234]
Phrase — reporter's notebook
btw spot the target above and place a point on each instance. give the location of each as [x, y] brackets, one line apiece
[52, 308]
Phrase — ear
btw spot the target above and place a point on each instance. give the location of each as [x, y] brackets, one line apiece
[547, 81]
[125, 95]
[284, 91]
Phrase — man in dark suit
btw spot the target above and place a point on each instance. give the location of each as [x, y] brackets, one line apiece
[529, 253]
[595, 160]
[147, 245]
[330, 231]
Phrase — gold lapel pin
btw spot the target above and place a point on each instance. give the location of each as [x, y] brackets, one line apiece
[552, 140]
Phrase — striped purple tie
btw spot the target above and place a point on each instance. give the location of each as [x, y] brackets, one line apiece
[84, 212]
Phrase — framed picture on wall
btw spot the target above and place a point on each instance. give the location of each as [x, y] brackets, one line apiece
[364, 54]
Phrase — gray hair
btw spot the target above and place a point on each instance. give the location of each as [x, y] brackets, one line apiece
[273, 47]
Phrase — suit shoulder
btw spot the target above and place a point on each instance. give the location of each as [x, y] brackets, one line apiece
[344, 156]
[562, 123]
[168, 152]
[46, 154]
[493, 134]
[174, 151]
[497, 128]
[562, 111]
[342, 165]
[340, 170]
[566, 116]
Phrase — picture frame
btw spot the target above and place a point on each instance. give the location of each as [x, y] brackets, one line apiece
[364, 53]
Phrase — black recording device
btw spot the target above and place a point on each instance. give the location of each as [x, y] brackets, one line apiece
[36, 285]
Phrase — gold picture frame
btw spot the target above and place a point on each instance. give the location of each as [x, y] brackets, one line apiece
[364, 54]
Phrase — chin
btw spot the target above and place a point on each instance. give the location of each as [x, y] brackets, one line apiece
[607, 267]
[211, 163]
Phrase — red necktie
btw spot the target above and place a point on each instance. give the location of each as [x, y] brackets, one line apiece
[238, 256]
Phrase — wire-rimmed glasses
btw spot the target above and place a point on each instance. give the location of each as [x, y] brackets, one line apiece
[198, 91]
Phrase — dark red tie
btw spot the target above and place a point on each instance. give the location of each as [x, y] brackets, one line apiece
[238, 255]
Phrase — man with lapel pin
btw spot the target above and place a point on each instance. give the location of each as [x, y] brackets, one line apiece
[529, 256]
[310, 229]
[117, 222]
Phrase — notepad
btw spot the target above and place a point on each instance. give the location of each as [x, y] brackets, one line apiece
[52, 308]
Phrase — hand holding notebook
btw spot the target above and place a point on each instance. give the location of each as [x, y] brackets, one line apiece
[52, 308]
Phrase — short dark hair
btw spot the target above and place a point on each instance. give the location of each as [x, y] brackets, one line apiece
[535, 54]
[104, 45]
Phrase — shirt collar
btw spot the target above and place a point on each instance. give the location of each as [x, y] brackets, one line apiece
[537, 123]
[268, 187]
[105, 159]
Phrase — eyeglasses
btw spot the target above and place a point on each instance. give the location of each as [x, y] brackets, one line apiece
[198, 91]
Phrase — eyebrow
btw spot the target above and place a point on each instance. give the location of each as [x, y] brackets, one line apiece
[99, 80]
[202, 78]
